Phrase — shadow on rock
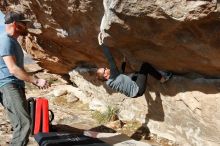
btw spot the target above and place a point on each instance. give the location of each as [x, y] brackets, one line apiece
[180, 84]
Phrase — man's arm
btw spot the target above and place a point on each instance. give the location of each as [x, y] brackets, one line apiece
[22, 74]
[111, 61]
[123, 65]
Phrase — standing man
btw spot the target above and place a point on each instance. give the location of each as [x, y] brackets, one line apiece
[12, 77]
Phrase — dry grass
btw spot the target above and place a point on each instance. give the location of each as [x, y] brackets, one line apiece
[109, 115]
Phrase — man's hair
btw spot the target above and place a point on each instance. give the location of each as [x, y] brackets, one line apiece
[100, 76]
[10, 17]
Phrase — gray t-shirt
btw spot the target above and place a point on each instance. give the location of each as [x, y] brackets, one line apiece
[9, 46]
[117, 80]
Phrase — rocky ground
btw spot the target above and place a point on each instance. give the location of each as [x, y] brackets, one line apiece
[73, 116]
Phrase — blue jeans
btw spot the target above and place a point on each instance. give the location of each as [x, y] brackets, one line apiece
[14, 101]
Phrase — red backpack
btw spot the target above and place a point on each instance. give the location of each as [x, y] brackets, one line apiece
[39, 113]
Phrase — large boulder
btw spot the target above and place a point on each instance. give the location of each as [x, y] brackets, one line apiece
[180, 36]
[183, 110]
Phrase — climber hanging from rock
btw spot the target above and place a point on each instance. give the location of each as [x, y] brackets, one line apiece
[133, 85]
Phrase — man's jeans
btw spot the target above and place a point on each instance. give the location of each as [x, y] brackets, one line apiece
[141, 77]
[14, 100]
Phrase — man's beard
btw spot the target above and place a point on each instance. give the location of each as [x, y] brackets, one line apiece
[23, 32]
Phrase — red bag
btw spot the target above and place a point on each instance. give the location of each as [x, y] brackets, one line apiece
[40, 119]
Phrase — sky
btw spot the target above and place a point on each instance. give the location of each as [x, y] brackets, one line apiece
[2, 27]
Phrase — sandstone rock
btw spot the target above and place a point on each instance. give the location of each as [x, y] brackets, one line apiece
[98, 105]
[71, 98]
[78, 93]
[59, 92]
[115, 124]
[126, 115]
[115, 139]
[180, 36]
[179, 110]
[182, 32]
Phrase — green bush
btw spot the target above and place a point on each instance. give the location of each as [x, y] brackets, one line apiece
[109, 115]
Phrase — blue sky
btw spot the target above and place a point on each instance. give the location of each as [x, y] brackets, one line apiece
[2, 27]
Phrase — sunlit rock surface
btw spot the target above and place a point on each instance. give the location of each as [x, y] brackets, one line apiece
[180, 36]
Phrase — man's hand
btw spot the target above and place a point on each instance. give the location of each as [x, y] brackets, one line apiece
[42, 83]
[124, 59]
[100, 39]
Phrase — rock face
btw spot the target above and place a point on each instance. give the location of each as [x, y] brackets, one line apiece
[64, 32]
[183, 110]
[180, 35]
[160, 32]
